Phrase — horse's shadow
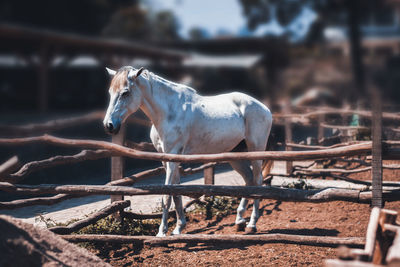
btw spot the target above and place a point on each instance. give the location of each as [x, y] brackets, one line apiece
[303, 231]
[213, 224]
[197, 247]
[269, 211]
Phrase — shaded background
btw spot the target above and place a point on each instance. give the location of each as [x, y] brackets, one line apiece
[305, 52]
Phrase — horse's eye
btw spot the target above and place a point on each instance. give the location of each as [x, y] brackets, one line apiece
[125, 93]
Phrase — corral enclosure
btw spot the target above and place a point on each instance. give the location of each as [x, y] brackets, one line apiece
[335, 137]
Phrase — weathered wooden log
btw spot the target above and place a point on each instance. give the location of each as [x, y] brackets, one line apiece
[344, 171]
[55, 161]
[157, 171]
[387, 227]
[118, 163]
[328, 241]
[372, 230]
[124, 181]
[138, 177]
[316, 147]
[20, 203]
[393, 255]
[143, 146]
[357, 149]
[334, 111]
[51, 125]
[62, 123]
[61, 197]
[263, 192]
[9, 166]
[344, 127]
[383, 242]
[280, 181]
[76, 226]
[347, 263]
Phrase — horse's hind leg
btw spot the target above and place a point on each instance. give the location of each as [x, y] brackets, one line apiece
[256, 142]
[257, 181]
[243, 168]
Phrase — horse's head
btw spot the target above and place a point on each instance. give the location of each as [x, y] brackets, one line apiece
[125, 97]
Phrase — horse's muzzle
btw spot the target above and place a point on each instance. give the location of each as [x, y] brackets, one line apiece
[111, 128]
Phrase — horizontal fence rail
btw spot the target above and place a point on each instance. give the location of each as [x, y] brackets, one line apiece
[258, 192]
[351, 150]
[329, 241]
[62, 123]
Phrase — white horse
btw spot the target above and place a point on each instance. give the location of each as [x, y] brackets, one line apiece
[185, 122]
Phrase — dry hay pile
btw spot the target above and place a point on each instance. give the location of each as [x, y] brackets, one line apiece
[22, 244]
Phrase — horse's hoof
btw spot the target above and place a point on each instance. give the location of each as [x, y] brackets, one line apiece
[176, 232]
[161, 235]
[250, 230]
[240, 227]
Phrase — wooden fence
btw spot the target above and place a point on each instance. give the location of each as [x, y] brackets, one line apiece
[117, 187]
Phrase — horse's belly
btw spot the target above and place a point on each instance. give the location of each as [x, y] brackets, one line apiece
[215, 136]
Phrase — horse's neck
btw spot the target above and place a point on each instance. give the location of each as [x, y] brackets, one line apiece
[160, 99]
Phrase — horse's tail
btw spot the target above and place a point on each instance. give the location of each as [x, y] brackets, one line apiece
[267, 164]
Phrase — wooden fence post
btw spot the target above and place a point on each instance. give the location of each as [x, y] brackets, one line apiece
[376, 148]
[209, 180]
[209, 175]
[288, 136]
[117, 163]
[321, 119]
[43, 78]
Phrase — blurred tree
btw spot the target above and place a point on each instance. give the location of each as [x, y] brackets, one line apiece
[348, 13]
[259, 11]
[128, 22]
[165, 26]
[116, 18]
[85, 17]
[198, 33]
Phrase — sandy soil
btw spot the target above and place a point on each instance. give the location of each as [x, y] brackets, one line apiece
[327, 219]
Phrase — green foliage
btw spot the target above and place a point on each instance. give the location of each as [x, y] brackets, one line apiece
[218, 206]
[300, 184]
[113, 226]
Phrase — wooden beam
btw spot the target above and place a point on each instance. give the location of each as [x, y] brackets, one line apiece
[221, 239]
[393, 255]
[258, 192]
[55, 161]
[124, 181]
[351, 150]
[43, 78]
[376, 163]
[372, 230]
[9, 166]
[117, 163]
[209, 177]
[288, 136]
[384, 241]
[93, 218]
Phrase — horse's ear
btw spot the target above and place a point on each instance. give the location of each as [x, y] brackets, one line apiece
[111, 72]
[139, 72]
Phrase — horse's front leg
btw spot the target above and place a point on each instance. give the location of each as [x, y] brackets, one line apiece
[172, 177]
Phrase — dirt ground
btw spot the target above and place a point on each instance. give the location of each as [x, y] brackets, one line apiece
[336, 218]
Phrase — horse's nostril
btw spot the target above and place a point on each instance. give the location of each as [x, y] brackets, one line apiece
[110, 126]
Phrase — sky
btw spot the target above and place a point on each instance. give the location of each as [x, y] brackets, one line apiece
[226, 16]
[212, 15]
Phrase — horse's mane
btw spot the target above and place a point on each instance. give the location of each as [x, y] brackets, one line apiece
[170, 83]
